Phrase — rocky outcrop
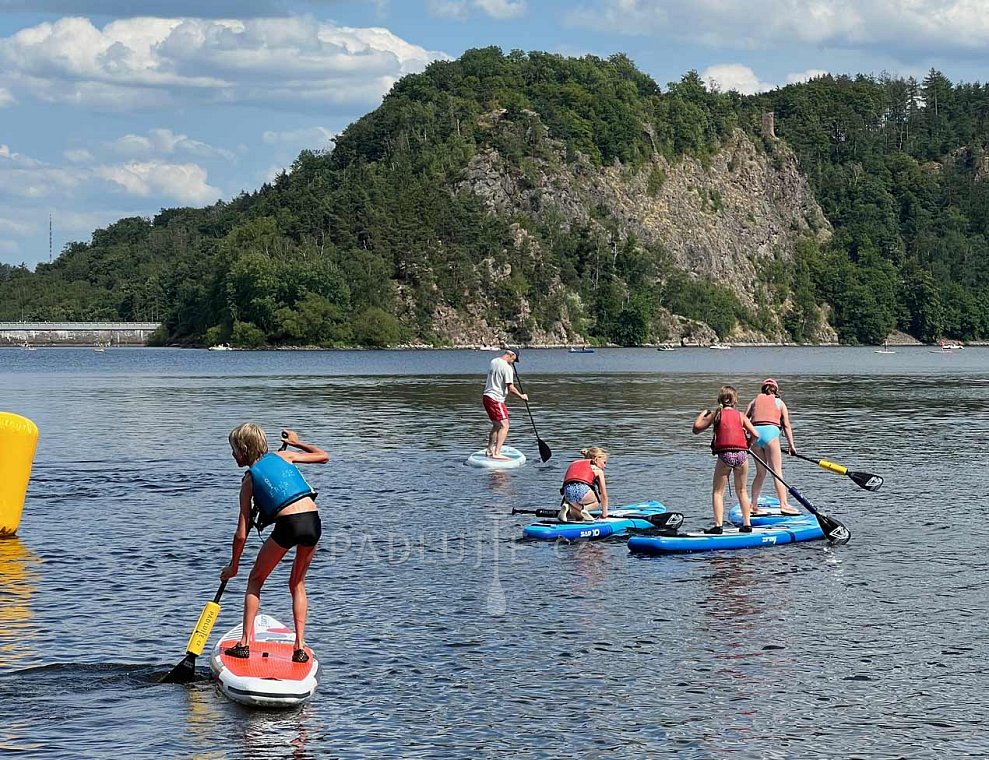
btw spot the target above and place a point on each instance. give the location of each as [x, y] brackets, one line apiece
[724, 219]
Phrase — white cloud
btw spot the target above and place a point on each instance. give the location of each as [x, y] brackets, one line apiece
[16, 226]
[185, 183]
[156, 62]
[502, 9]
[805, 76]
[459, 10]
[268, 175]
[935, 25]
[9, 247]
[165, 142]
[453, 9]
[741, 78]
[78, 156]
[734, 76]
[6, 98]
[315, 138]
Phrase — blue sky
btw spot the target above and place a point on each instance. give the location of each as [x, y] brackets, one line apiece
[111, 108]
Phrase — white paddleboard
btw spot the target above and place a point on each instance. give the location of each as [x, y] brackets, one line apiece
[268, 678]
[513, 459]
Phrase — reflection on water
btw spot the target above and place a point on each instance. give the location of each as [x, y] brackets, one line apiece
[241, 732]
[18, 583]
[439, 632]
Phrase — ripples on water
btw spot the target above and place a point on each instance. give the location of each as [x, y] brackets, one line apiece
[440, 633]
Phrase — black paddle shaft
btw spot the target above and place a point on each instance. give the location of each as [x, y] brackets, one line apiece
[544, 450]
[667, 520]
[834, 530]
[219, 592]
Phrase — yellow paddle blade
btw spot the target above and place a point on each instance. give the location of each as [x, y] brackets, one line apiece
[200, 635]
[832, 466]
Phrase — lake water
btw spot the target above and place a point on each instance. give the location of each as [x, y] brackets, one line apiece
[440, 633]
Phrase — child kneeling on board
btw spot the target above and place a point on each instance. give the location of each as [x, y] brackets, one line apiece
[584, 487]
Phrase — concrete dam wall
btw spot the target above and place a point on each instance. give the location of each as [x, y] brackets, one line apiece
[76, 333]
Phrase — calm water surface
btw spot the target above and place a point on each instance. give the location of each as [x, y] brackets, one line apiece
[440, 633]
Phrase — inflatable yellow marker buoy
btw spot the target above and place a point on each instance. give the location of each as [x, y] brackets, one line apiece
[18, 440]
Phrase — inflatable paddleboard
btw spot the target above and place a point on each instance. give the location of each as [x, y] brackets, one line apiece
[792, 531]
[768, 513]
[513, 459]
[268, 678]
[617, 522]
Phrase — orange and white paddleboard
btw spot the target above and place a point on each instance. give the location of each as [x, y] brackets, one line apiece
[269, 677]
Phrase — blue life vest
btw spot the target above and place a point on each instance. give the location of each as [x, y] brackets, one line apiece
[276, 484]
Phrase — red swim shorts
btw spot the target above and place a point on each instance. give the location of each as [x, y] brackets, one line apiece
[496, 409]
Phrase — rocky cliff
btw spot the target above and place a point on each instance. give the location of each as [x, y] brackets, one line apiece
[723, 219]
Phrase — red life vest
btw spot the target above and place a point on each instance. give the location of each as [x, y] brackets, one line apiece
[580, 472]
[729, 434]
[765, 411]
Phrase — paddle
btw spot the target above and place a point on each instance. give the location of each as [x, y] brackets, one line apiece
[836, 532]
[666, 520]
[544, 450]
[865, 480]
[185, 671]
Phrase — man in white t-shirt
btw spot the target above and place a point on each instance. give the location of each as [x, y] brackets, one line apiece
[501, 382]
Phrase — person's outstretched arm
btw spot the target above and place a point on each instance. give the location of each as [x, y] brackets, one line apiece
[307, 453]
[603, 488]
[704, 420]
[243, 525]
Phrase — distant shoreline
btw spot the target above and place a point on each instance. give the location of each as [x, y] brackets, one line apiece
[526, 346]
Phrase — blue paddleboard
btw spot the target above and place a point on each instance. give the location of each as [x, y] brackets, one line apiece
[768, 513]
[791, 531]
[619, 521]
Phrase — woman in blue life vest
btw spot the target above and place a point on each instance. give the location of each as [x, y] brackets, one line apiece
[280, 495]
[584, 486]
[730, 445]
[771, 419]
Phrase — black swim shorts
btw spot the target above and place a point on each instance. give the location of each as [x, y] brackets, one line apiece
[303, 528]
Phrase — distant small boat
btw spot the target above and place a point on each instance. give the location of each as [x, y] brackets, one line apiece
[950, 346]
[582, 350]
[885, 349]
[221, 347]
[489, 348]
[720, 346]
[99, 349]
[28, 347]
[665, 347]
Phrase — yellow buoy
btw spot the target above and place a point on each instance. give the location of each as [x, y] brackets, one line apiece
[18, 440]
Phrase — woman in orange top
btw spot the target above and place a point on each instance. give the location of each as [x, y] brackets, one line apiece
[770, 417]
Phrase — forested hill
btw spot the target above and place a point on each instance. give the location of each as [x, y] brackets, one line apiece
[536, 198]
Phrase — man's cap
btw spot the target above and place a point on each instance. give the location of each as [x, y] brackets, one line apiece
[518, 356]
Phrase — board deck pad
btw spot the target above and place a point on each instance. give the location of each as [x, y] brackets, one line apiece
[269, 659]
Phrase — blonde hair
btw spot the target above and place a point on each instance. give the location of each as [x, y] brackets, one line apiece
[593, 452]
[248, 442]
[727, 396]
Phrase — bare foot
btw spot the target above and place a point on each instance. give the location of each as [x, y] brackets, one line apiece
[502, 457]
[789, 511]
